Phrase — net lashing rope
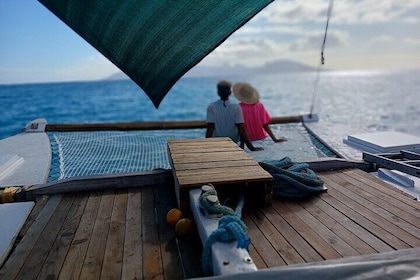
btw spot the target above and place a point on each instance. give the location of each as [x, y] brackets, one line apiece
[322, 61]
[293, 180]
[230, 227]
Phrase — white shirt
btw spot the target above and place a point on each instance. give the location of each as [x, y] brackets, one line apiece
[225, 115]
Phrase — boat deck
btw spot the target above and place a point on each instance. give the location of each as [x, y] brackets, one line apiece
[123, 234]
[358, 215]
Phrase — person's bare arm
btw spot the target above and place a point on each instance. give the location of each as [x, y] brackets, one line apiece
[270, 132]
[244, 138]
[210, 130]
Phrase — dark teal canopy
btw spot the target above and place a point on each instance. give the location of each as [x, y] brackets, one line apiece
[155, 42]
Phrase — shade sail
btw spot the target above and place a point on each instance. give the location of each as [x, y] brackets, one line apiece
[155, 42]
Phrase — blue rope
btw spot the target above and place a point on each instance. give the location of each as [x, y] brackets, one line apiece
[214, 208]
[230, 228]
[292, 180]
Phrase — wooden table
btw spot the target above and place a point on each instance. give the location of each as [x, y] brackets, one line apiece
[218, 161]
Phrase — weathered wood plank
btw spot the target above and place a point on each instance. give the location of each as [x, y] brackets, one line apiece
[346, 206]
[57, 255]
[397, 218]
[328, 164]
[319, 244]
[219, 179]
[72, 265]
[13, 265]
[152, 260]
[305, 250]
[171, 260]
[343, 248]
[93, 260]
[215, 164]
[256, 258]
[40, 203]
[158, 125]
[344, 233]
[372, 220]
[283, 248]
[197, 145]
[261, 244]
[239, 173]
[132, 266]
[198, 140]
[113, 257]
[385, 191]
[44, 244]
[99, 183]
[190, 149]
[208, 157]
[332, 206]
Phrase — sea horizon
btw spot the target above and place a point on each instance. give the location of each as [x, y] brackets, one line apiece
[365, 99]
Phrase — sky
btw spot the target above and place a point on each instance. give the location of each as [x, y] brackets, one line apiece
[363, 35]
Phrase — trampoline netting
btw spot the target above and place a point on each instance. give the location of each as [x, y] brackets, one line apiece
[93, 153]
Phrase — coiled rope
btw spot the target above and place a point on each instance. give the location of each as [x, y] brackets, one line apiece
[292, 180]
[230, 227]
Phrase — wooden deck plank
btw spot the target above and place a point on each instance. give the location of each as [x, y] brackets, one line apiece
[93, 260]
[305, 250]
[385, 191]
[43, 245]
[221, 176]
[368, 219]
[57, 255]
[256, 258]
[209, 157]
[261, 244]
[40, 203]
[198, 141]
[387, 214]
[188, 148]
[329, 205]
[371, 227]
[335, 226]
[168, 243]
[283, 248]
[113, 257]
[152, 265]
[14, 264]
[132, 267]
[319, 244]
[355, 216]
[393, 206]
[342, 247]
[214, 164]
[72, 265]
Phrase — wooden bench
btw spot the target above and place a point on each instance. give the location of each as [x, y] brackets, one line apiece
[218, 161]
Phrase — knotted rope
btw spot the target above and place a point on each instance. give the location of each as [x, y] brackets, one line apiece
[230, 227]
[292, 180]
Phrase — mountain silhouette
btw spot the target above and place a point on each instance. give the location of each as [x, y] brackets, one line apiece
[279, 66]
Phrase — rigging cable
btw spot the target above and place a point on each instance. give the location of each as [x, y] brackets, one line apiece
[322, 61]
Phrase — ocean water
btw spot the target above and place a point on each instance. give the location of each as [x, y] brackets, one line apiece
[374, 101]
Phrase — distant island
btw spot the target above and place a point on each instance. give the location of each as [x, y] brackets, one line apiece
[279, 66]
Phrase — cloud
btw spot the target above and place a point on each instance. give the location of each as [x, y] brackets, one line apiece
[412, 42]
[360, 32]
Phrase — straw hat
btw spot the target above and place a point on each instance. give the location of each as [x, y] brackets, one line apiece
[245, 93]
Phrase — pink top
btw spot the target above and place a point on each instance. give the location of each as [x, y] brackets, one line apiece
[255, 116]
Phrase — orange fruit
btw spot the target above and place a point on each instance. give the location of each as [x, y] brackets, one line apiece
[173, 216]
[183, 227]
